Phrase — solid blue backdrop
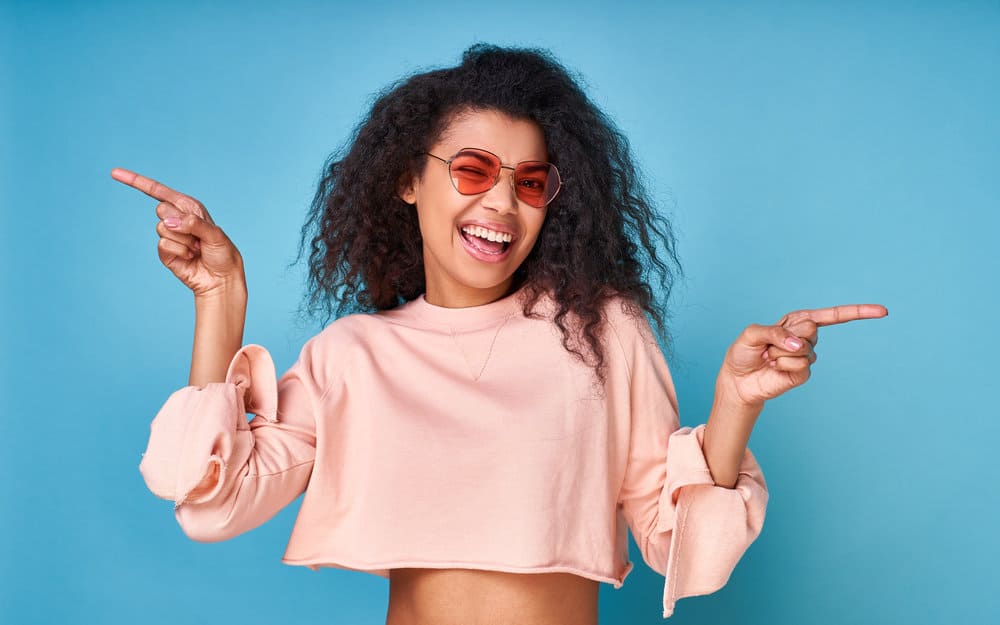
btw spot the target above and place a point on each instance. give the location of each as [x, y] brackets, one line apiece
[809, 155]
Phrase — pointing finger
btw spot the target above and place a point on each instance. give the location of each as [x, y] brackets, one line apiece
[837, 314]
[150, 187]
[162, 192]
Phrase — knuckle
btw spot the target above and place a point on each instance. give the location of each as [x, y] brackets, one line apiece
[805, 327]
[189, 204]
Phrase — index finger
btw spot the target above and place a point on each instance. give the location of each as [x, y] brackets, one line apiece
[148, 186]
[843, 314]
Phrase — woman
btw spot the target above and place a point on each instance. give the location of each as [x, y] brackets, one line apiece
[498, 412]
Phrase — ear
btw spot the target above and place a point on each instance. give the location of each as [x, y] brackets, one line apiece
[406, 189]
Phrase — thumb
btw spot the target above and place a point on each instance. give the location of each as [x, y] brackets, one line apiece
[759, 336]
[197, 227]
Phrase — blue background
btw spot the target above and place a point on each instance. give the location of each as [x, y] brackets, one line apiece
[808, 154]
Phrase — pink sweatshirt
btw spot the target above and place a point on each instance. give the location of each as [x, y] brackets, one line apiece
[462, 438]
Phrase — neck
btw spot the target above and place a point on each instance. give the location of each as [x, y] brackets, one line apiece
[464, 297]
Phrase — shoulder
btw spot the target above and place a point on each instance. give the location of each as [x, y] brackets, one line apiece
[619, 311]
[627, 321]
[332, 350]
[348, 333]
[630, 336]
[624, 324]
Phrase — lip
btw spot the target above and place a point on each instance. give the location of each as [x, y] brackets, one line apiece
[483, 256]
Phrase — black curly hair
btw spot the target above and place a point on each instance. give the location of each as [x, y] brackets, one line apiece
[601, 237]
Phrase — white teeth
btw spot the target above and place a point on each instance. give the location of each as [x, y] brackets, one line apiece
[485, 233]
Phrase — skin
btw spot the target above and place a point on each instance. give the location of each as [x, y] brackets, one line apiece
[454, 278]
[475, 597]
[760, 365]
[763, 363]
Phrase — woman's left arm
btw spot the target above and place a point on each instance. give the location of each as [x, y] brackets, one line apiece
[764, 362]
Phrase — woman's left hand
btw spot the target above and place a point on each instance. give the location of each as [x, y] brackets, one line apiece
[766, 361]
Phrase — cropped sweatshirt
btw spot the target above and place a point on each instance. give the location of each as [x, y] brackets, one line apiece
[435, 437]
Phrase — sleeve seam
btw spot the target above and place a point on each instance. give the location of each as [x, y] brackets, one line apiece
[628, 374]
[316, 403]
[285, 470]
[621, 346]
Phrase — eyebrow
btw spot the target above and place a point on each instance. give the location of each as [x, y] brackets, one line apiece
[466, 151]
[482, 158]
[541, 165]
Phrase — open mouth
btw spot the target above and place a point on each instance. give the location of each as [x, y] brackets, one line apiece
[484, 245]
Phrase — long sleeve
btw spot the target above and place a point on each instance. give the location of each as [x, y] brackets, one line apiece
[690, 530]
[227, 475]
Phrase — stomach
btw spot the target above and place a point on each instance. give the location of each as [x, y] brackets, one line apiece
[478, 597]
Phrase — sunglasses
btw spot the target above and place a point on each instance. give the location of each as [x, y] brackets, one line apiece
[475, 171]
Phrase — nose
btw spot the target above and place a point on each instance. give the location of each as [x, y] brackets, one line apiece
[502, 197]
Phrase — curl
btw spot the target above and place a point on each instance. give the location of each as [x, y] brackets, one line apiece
[602, 236]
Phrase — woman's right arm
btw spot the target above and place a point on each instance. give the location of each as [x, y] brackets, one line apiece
[218, 332]
[225, 475]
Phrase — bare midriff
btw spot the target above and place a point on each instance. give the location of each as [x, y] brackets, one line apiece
[475, 597]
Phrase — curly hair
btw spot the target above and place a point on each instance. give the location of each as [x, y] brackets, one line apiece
[601, 237]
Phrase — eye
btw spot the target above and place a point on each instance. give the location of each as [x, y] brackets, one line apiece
[470, 171]
[532, 183]
[533, 177]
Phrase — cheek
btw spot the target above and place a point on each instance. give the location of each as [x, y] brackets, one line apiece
[538, 226]
[430, 225]
[437, 217]
[531, 243]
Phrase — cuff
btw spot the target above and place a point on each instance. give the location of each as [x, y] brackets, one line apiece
[194, 434]
[712, 526]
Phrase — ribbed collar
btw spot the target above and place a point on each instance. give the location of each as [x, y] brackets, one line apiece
[420, 312]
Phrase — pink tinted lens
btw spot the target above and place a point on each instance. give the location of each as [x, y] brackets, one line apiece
[474, 171]
[536, 182]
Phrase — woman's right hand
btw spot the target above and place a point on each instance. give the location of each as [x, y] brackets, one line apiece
[196, 250]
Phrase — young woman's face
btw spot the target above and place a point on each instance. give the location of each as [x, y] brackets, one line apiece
[462, 270]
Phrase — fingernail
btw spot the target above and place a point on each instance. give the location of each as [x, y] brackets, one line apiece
[171, 222]
[197, 245]
[793, 343]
